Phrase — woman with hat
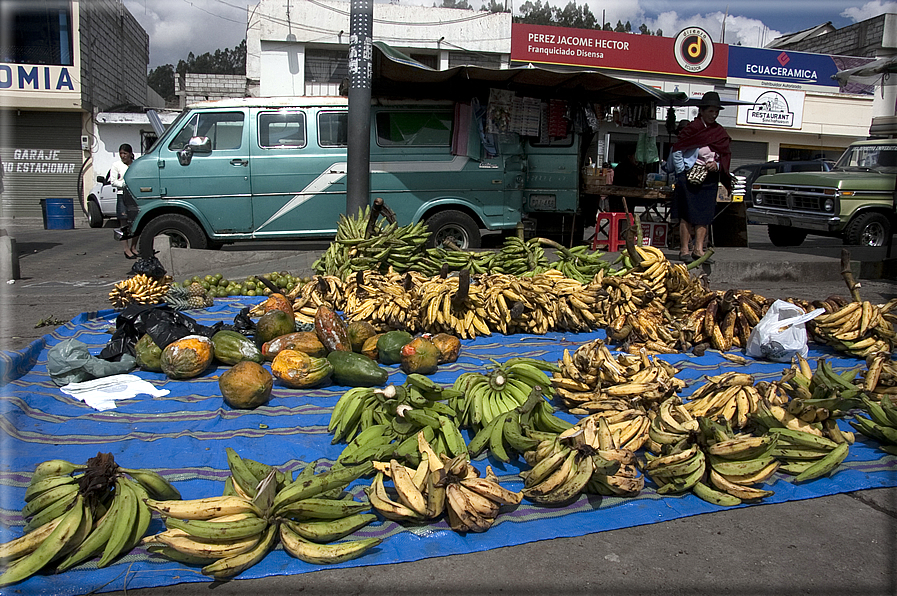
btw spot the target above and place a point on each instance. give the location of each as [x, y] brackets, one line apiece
[705, 144]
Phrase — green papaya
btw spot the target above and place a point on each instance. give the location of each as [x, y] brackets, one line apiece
[390, 344]
[273, 324]
[148, 354]
[231, 347]
[356, 370]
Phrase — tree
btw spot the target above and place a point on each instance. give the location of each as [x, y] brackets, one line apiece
[643, 29]
[161, 80]
[608, 27]
[659, 32]
[620, 28]
[460, 4]
[628, 27]
[494, 6]
[227, 62]
[536, 14]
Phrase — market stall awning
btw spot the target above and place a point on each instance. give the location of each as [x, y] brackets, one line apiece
[867, 74]
[398, 75]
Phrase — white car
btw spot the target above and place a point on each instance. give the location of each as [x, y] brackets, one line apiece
[101, 202]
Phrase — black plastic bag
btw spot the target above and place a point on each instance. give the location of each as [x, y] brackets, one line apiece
[150, 266]
[163, 323]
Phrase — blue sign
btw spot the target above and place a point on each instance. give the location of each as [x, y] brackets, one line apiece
[784, 69]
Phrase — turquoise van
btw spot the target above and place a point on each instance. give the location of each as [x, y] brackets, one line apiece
[275, 169]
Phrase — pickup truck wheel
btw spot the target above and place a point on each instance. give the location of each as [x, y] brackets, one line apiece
[456, 226]
[94, 215]
[868, 229]
[785, 236]
[180, 230]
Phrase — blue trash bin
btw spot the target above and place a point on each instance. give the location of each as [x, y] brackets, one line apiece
[59, 214]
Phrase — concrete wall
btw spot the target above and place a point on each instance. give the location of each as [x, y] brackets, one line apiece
[205, 87]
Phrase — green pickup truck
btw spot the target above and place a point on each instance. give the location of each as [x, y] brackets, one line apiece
[855, 201]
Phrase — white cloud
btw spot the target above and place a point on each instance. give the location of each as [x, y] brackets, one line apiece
[869, 10]
[750, 32]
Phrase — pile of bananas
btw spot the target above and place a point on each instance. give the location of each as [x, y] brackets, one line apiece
[769, 416]
[881, 423]
[858, 329]
[585, 458]
[578, 262]
[321, 290]
[519, 430]
[453, 305]
[387, 301]
[520, 257]
[76, 512]
[482, 397]
[591, 380]
[816, 396]
[357, 249]
[807, 455]
[730, 396]
[227, 535]
[477, 263]
[439, 484]
[378, 423]
[139, 289]
[724, 319]
[880, 376]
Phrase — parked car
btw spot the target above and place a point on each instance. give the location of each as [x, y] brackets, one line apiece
[751, 172]
[854, 201]
[101, 202]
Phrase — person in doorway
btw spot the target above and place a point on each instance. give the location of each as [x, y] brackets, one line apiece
[703, 143]
[117, 181]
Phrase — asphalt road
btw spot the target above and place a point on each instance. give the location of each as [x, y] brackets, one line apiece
[838, 545]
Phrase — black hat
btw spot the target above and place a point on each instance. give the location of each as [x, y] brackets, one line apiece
[710, 100]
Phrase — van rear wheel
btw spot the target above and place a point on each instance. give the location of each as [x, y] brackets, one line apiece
[179, 230]
[453, 226]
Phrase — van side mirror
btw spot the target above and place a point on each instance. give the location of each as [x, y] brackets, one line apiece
[199, 145]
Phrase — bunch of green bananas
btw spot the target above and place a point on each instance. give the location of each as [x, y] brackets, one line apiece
[380, 423]
[76, 512]
[806, 455]
[478, 263]
[390, 245]
[485, 396]
[770, 416]
[578, 262]
[881, 424]
[520, 257]
[817, 395]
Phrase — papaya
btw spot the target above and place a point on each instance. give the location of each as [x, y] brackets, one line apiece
[389, 346]
[369, 348]
[273, 324]
[332, 330]
[277, 301]
[303, 341]
[359, 332]
[449, 347]
[148, 354]
[231, 347]
[246, 385]
[356, 370]
[299, 370]
[421, 356]
[187, 357]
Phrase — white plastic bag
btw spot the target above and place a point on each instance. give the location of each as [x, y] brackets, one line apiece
[781, 334]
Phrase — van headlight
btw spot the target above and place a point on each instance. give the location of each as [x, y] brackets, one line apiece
[829, 205]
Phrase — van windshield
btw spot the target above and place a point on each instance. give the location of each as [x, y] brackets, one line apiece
[870, 158]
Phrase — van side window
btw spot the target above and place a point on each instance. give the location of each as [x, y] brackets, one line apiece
[282, 129]
[224, 129]
[333, 129]
[422, 129]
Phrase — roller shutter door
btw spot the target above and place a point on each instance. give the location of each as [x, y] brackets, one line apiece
[746, 152]
[42, 159]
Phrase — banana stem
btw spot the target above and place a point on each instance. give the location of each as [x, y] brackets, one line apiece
[847, 274]
[700, 260]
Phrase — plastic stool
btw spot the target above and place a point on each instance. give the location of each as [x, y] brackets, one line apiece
[611, 227]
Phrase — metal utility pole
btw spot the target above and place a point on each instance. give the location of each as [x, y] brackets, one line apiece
[358, 176]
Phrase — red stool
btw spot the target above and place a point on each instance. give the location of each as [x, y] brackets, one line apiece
[611, 228]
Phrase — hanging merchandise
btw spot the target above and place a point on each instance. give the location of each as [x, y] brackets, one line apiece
[646, 149]
[498, 113]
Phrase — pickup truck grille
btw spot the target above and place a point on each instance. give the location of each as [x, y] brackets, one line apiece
[792, 197]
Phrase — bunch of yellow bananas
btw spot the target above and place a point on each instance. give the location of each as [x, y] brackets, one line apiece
[880, 376]
[139, 289]
[858, 329]
[322, 290]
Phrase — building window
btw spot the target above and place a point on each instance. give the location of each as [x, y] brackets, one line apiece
[326, 66]
[36, 32]
[474, 59]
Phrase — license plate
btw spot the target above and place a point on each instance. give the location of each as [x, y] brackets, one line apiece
[783, 221]
[542, 202]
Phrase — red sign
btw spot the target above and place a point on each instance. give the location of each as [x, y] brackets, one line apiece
[591, 48]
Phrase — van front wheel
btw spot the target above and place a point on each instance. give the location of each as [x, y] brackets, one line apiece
[453, 226]
[180, 232]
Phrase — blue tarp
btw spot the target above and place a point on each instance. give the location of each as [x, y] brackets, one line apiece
[183, 436]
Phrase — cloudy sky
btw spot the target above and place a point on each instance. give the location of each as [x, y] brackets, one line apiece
[177, 27]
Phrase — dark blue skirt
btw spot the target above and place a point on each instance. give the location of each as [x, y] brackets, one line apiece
[695, 204]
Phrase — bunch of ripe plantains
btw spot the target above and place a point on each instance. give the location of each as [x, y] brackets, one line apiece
[591, 380]
[139, 289]
[482, 398]
[384, 423]
[585, 458]
[880, 376]
[857, 328]
[227, 535]
[76, 512]
[439, 484]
